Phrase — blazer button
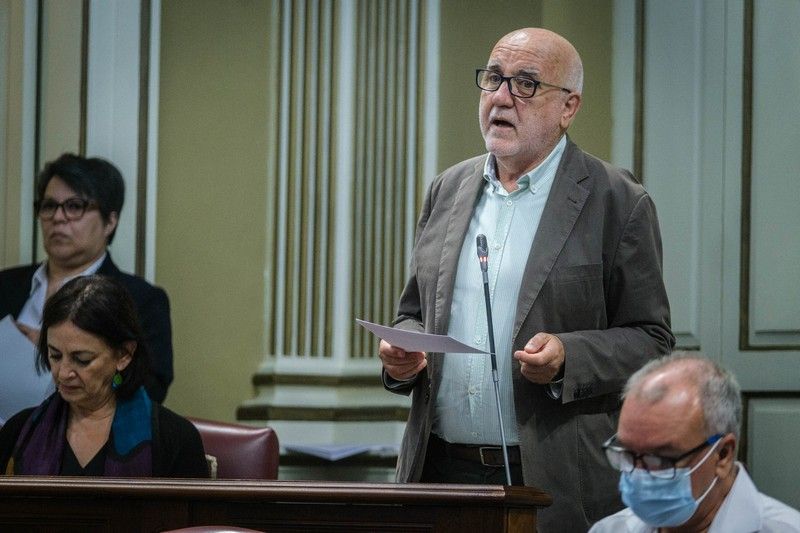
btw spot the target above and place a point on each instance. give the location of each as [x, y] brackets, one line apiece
[428, 393]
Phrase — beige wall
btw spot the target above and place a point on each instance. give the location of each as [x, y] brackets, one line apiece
[211, 198]
[588, 24]
[470, 30]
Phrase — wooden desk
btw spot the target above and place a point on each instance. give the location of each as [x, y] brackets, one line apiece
[47, 504]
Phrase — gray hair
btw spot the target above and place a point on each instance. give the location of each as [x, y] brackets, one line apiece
[575, 74]
[719, 393]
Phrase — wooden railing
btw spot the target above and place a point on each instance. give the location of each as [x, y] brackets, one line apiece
[45, 504]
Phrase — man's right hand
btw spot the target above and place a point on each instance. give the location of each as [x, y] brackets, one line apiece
[400, 364]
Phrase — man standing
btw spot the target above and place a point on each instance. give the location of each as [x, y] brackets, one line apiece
[578, 297]
[676, 449]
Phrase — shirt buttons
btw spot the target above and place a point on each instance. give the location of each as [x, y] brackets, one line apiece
[509, 202]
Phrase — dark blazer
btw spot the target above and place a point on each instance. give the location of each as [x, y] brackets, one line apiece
[152, 306]
[593, 278]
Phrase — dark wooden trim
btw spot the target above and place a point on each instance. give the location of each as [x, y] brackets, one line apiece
[638, 96]
[747, 148]
[688, 348]
[323, 414]
[294, 491]
[135, 505]
[84, 88]
[37, 126]
[265, 380]
[141, 163]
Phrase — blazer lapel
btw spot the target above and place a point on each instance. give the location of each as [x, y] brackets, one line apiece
[564, 204]
[460, 216]
[107, 267]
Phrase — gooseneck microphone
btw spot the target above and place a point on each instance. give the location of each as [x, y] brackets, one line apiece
[483, 258]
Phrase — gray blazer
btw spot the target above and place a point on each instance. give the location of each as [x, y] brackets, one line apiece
[593, 278]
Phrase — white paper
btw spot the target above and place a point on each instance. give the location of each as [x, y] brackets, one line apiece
[335, 452]
[20, 385]
[412, 341]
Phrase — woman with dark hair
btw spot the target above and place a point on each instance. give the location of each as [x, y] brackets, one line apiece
[100, 421]
[78, 202]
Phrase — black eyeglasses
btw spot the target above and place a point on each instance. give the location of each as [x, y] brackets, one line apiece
[521, 86]
[74, 208]
[625, 460]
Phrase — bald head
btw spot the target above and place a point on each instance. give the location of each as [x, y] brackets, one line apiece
[688, 381]
[558, 53]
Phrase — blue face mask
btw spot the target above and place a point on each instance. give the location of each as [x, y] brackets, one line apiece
[662, 502]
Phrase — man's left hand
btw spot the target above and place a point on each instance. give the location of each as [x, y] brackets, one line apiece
[542, 358]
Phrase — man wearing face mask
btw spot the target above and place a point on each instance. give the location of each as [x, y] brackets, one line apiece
[675, 448]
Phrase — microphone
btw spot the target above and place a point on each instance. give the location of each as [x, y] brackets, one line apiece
[483, 258]
[483, 255]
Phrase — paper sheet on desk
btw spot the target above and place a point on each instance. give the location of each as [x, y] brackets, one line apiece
[412, 341]
[20, 385]
[335, 452]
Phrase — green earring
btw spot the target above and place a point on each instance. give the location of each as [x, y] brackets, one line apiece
[116, 381]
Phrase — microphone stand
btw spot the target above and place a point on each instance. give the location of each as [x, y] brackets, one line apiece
[483, 257]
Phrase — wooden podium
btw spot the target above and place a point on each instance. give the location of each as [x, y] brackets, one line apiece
[47, 504]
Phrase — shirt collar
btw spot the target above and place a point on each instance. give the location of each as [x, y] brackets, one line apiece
[741, 510]
[40, 276]
[534, 178]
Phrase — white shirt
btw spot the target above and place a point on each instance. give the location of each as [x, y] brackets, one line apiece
[31, 314]
[745, 510]
[466, 409]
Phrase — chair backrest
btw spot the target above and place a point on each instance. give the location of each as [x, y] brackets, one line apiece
[242, 452]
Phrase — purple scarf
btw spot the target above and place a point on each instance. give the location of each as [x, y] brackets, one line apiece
[41, 442]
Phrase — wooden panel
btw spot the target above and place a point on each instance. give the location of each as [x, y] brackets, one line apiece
[767, 367]
[773, 431]
[117, 505]
[673, 89]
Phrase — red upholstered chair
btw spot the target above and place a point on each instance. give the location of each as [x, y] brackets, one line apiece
[242, 452]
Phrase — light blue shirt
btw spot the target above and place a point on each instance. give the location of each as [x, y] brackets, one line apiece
[744, 510]
[465, 410]
[31, 314]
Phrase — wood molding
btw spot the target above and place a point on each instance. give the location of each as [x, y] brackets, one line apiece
[141, 163]
[638, 102]
[747, 191]
[135, 505]
[752, 395]
[84, 88]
